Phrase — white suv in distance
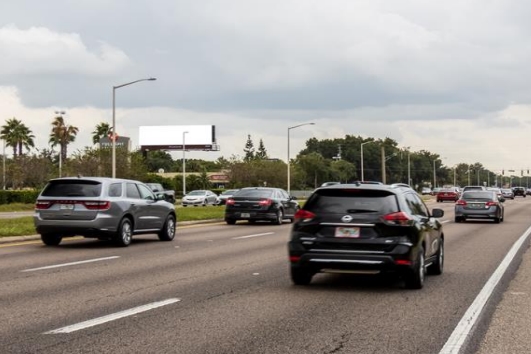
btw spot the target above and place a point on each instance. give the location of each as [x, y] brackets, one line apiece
[103, 208]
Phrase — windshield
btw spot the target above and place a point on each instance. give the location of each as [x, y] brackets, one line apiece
[197, 193]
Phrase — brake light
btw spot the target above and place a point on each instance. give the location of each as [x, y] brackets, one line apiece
[265, 202]
[304, 215]
[42, 204]
[461, 202]
[99, 205]
[398, 218]
[491, 203]
[229, 201]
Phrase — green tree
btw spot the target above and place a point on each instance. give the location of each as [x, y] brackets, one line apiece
[17, 135]
[158, 159]
[249, 149]
[102, 130]
[261, 154]
[62, 135]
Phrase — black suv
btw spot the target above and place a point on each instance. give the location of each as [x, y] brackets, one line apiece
[519, 191]
[366, 229]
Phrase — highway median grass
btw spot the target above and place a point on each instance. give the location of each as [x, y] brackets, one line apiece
[23, 226]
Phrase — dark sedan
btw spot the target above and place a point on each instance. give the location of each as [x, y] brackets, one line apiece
[479, 205]
[260, 203]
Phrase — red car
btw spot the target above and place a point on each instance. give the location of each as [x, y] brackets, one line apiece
[446, 194]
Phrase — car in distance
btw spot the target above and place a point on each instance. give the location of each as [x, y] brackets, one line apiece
[103, 208]
[425, 191]
[226, 194]
[200, 197]
[507, 193]
[367, 229]
[479, 205]
[473, 188]
[261, 203]
[519, 191]
[447, 194]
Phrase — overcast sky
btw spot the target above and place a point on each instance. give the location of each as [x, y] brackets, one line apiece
[450, 77]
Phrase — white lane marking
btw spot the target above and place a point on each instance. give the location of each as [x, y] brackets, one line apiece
[255, 235]
[462, 330]
[70, 264]
[112, 317]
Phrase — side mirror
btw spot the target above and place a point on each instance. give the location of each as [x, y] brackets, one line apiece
[292, 197]
[437, 213]
[160, 196]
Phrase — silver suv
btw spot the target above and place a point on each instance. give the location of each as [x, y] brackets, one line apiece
[103, 208]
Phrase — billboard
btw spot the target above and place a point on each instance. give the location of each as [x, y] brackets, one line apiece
[174, 137]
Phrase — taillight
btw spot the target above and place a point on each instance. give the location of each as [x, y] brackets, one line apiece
[99, 205]
[42, 204]
[461, 202]
[398, 218]
[265, 202]
[294, 259]
[304, 215]
[402, 262]
[229, 201]
[491, 203]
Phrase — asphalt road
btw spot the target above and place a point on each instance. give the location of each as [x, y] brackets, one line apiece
[225, 289]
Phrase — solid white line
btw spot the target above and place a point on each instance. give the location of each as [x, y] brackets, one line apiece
[112, 317]
[462, 330]
[255, 235]
[71, 263]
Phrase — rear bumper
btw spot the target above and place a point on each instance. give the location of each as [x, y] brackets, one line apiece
[252, 215]
[490, 213]
[88, 228]
[400, 259]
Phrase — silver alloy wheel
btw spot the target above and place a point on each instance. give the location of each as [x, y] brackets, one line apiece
[126, 232]
[441, 256]
[170, 228]
[422, 267]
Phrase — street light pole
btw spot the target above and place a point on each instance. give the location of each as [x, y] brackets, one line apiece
[113, 138]
[61, 114]
[4, 164]
[289, 128]
[184, 163]
[434, 175]
[361, 162]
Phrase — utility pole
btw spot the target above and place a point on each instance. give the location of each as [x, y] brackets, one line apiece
[383, 165]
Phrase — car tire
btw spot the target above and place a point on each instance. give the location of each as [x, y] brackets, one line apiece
[415, 277]
[280, 217]
[205, 202]
[230, 221]
[124, 235]
[168, 230]
[300, 276]
[436, 268]
[51, 239]
[497, 219]
[457, 219]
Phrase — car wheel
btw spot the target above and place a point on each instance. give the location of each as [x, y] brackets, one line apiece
[280, 217]
[230, 221]
[415, 276]
[168, 230]
[457, 219]
[204, 203]
[436, 268]
[51, 239]
[497, 219]
[300, 276]
[124, 235]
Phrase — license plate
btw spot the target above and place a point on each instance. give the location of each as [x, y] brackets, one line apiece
[476, 206]
[352, 232]
[66, 206]
[245, 215]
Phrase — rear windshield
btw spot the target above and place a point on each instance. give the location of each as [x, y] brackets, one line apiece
[478, 195]
[72, 188]
[351, 201]
[254, 193]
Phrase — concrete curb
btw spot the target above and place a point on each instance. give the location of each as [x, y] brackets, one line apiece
[13, 239]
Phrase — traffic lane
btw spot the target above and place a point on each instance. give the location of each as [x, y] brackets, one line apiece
[248, 278]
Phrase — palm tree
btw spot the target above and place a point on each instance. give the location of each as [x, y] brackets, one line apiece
[62, 135]
[17, 135]
[102, 130]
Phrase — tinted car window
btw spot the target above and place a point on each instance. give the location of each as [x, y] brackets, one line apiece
[115, 190]
[352, 201]
[255, 193]
[72, 188]
[478, 195]
[145, 192]
[132, 191]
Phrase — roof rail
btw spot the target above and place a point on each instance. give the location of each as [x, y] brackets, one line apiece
[405, 185]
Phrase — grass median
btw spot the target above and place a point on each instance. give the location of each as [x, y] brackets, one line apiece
[24, 225]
